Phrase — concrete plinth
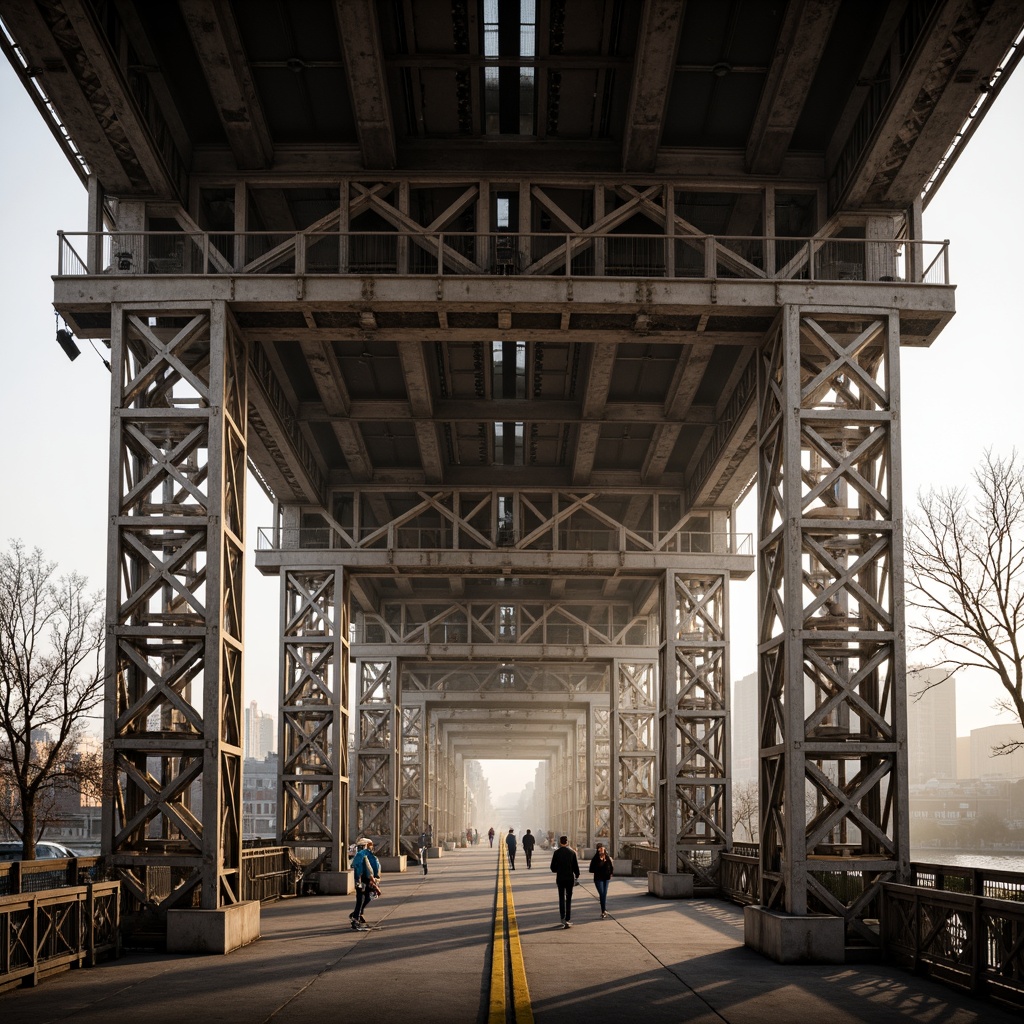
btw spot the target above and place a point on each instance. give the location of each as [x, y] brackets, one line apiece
[213, 931]
[669, 887]
[794, 938]
[393, 864]
[434, 852]
[335, 883]
[449, 846]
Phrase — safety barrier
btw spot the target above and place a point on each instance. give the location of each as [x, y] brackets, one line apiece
[45, 932]
[576, 254]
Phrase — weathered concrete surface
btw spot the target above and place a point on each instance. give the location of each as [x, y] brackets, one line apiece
[657, 961]
[213, 931]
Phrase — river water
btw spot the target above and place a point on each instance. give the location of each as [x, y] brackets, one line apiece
[1007, 860]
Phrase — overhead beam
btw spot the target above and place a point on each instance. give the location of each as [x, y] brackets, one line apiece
[595, 391]
[806, 28]
[367, 81]
[654, 66]
[218, 43]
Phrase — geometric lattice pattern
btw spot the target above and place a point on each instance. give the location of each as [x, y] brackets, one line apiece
[174, 606]
[601, 791]
[831, 668]
[412, 817]
[635, 714]
[695, 823]
[376, 796]
[313, 782]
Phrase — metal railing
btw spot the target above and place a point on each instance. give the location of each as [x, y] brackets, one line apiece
[270, 873]
[503, 254]
[644, 858]
[24, 876]
[415, 538]
[973, 943]
[45, 932]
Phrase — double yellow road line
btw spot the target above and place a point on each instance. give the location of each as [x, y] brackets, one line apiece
[508, 988]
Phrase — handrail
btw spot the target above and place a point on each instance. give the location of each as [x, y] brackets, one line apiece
[502, 254]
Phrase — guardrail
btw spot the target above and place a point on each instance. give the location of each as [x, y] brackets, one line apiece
[973, 943]
[503, 254]
[317, 538]
[644, 858]
[270, 873]
[45, 932]
[24, 876]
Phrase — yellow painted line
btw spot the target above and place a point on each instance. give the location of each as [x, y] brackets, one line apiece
[496, 1007]
[520, 990]
[504, 907]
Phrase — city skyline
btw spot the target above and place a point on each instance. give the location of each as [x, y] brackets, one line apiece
[955, 397]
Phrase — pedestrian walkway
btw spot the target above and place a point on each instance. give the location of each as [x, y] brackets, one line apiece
[427, 959]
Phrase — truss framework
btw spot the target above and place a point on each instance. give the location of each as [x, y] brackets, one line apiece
[832, 672]
[313, 730]
[521, 519]
[376, 796]
[173, 718]
[695, 821]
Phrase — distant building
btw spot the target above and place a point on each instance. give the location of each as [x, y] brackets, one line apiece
[260, 734]
[985, 764]
[745, 729]
[259, 797]
[931, 725]
[950, 804]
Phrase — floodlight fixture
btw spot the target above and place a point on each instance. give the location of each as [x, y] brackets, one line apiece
[67, 342]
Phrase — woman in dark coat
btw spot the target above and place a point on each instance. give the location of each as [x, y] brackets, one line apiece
[602, 868]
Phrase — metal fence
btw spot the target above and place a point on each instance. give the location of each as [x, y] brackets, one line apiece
[45, 932]
[24, 876]
[973, 943]
[551, 254]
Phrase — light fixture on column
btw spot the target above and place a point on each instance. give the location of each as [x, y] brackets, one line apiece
[67, 342]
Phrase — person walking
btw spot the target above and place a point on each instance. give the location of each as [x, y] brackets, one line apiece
[490, 835]
[511, 843]
[426, 842]
[529, 842]
[366, 872]
[567, 870]
[602, 867]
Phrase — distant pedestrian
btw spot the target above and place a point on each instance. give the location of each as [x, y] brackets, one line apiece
[476, 837]
[529, 842]
[366, 872]
[567, 870]
[602, 868]
[511, 843]
[490, 835]
[426, 842]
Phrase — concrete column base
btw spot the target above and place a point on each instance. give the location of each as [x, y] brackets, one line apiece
[434, 853]
[335, 883]
[213, 931]
[795, 938]
[670, 887]
[393, 864]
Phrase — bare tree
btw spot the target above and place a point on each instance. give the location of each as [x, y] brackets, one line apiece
[51, 642]
[965, 578]
[745, 811]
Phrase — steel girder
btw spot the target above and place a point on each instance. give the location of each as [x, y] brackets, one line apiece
[313, 724]
[635, 730]
[832, 672]
[173, 714]
[376, 795]
[695, 819]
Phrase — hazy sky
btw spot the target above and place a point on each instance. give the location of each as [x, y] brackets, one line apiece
[959, 397]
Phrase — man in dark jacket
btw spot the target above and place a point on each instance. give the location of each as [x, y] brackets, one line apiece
[567, 869]
[511, 843]
[529, 841]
